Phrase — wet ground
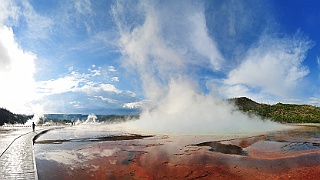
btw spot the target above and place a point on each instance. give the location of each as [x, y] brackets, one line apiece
[16, 152]
[109, 153]
[8, 134]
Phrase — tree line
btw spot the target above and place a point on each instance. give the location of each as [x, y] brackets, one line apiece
[10, 118]
[284, 113]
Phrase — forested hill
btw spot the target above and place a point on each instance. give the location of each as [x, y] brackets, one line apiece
[285, 113]
[10, 118]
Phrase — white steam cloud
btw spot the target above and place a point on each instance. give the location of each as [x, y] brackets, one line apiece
[91, 119]
[163, 46]
[16, 73]
[166, 44]
[38, 115]
[185, 110]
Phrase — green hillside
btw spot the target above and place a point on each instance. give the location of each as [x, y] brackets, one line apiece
[284, 113]
[10, 118]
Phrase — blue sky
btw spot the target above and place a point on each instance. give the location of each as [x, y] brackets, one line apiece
[104, 57]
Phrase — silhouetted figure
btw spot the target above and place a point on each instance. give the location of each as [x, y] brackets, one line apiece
[33, 126]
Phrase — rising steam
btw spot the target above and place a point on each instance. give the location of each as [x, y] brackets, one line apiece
[92, 118]
[166, 48]
[184, 110]
[38, 115]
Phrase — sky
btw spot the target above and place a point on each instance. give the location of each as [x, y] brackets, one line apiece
[118, 57]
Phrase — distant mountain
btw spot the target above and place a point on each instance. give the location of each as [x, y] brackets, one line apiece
[285, 113]
[11, 118]
[60, 117]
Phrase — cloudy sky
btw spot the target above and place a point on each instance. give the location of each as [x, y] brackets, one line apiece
[104, 57]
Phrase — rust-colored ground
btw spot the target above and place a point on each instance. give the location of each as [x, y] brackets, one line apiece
[179, 157]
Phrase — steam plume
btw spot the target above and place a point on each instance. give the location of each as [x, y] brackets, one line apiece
[91, 119]
[38, 111]
[166, 47]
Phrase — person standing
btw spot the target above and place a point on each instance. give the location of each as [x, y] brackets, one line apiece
[33, 126]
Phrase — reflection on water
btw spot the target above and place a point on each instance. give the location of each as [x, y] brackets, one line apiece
[72, 145]
[83, 131]
[75, 136]
[301, 139]
[223, 148]
[75, 157]
[300, 146]
[95, 139]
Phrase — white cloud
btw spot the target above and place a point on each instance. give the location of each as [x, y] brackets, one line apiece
[138, 104]
[74, 103]
[115, 79]
[201, 41]
[95, 72]
[106, 38]
[8, 10]
[112, 69]
[83, 7]
[236, 90]
[71, 68]
[38, 26]
[314, 101]
[110, 88]
[56, 86]
[109, 100]
[79, 92]
[274, 66]
[130, 93]
[75, 82]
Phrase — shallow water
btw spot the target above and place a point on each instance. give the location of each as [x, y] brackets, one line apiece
[300, 139]
[82, 131]
[85, 153]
